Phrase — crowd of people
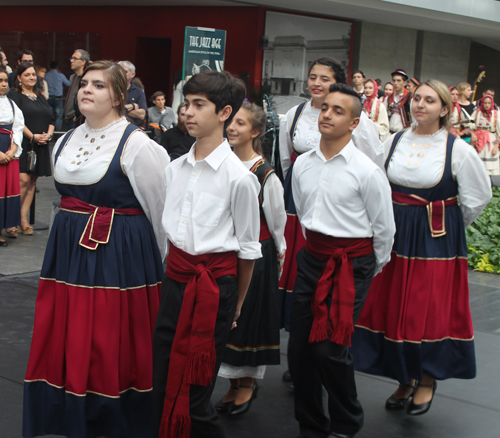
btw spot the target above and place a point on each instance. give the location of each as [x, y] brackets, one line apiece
[359, 253]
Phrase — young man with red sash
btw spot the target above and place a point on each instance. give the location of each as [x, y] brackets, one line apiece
[343, 201]
[212, 223]
[398, 104]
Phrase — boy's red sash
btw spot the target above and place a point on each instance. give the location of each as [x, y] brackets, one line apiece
[338, 325]
[192, 358]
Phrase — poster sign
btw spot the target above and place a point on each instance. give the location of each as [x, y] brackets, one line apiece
[203, 50]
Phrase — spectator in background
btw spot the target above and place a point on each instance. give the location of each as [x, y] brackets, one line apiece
[3, 60]
[358, 80]
[71, 115]
[38, 130]
[136, 106]
[177, 140]
[24, 56]
[41, 72]
[160, 117]
[55, 80]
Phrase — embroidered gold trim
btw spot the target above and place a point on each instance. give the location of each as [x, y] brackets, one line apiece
[89, 392]
[412, 187]
[125, 145]
[415, 342]
[102, 176]
[101, 287]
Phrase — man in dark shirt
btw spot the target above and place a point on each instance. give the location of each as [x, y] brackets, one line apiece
[177, 140]
[136, 105]
[71, 115]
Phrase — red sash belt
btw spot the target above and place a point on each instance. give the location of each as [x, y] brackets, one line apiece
[192, 358]
[264, 229]
[338, 326]
[483, 139]
[435, 210]
[98, 228]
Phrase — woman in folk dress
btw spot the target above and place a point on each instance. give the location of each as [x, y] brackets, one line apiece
[375, 109]
[487, 132]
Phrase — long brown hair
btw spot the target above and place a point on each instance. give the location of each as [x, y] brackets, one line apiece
[258, 120]
[117, 78]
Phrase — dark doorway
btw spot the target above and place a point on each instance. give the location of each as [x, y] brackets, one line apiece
[152, 62]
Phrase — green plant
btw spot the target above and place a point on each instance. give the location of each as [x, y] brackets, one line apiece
[483, 238]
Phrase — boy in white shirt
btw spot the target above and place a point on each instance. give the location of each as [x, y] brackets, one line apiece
[343, 202]
[212, 223]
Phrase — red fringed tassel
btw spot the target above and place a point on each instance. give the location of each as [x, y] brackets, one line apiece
[181, 427]
[200, 369]
[342, 333]
[319, 330]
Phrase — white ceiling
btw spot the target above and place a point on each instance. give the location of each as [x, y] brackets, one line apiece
[375, 11]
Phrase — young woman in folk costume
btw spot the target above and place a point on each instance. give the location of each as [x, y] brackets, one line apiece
[90, 371]
[388, 90]
[298, 134]
[416, 323]
[486, 119]
[11, 137]
[254, 342]
[375, 109]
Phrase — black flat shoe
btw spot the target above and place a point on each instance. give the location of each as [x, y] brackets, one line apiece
[244, 407]
[397, 404]
[222, 407]
[414, 409]
[3, 243]
[287, 377]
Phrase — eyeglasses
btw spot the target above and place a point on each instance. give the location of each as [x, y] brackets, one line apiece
[75, 59]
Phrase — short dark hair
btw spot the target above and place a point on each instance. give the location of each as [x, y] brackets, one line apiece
[2, 69]
[489, 89]
[156, 94]
[335, 66]
[53, 65]
[25, 52]
[357, 106]
[359, 71]
[220, 88]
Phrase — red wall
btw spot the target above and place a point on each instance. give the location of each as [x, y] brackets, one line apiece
[118, 28]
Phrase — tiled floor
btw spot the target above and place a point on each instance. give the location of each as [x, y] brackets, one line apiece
[461, 409]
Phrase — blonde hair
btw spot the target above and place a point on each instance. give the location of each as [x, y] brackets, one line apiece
[444, 94]
[462, 86]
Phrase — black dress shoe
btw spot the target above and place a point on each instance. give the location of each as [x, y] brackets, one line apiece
[414, 409]
[287, 377]
[222, 407]
[339, 435]
[244, 407]
[397, 404]
[3, 243]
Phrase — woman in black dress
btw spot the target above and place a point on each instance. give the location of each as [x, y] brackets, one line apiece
[38, 130]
